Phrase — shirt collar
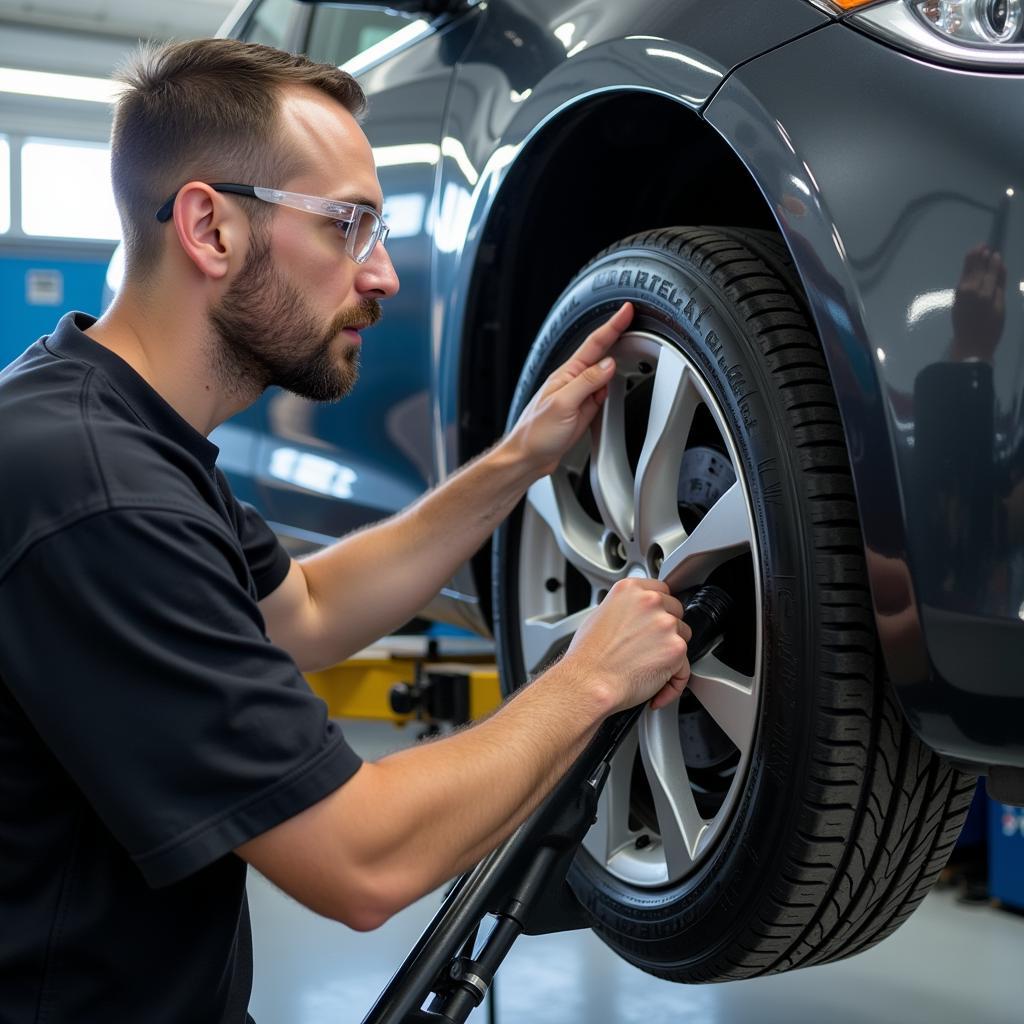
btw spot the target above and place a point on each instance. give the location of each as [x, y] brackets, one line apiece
[69, 342]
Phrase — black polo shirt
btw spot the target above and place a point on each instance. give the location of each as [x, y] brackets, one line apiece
[147, 724]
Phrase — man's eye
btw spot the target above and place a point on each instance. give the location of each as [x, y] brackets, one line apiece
[343, 227]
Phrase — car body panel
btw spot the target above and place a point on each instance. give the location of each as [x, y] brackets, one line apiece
[529, 62]
[838, 132]
[879, 211]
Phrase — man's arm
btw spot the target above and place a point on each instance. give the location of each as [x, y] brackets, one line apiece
[403, 825]
[337, 601]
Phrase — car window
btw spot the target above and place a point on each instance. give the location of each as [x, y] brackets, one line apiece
[268, 23]
[337, 33]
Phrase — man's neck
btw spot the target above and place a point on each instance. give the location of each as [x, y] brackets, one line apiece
[173, 351]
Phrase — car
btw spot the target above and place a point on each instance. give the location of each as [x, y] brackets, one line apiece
[815, 209]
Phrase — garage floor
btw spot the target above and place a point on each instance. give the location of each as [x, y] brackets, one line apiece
[949, 964]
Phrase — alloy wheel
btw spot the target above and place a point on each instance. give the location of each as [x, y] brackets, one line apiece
[655, 490]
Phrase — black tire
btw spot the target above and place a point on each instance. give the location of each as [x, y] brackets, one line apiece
[845, 819]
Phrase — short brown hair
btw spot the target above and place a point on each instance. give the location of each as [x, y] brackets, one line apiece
[207, 110]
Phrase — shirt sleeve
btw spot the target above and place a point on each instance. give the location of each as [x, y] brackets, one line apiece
[133, 645]
[268, 561]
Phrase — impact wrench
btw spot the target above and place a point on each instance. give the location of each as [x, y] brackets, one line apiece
[522, 883]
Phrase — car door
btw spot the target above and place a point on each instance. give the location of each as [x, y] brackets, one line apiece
[322, 470]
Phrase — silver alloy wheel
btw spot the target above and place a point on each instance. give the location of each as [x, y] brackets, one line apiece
[641, 534]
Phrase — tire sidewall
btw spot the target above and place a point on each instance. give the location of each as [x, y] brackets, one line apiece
[676, 300]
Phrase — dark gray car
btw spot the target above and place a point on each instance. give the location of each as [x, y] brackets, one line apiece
[817, 215]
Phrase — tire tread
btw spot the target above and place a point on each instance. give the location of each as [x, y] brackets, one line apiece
[884, 850]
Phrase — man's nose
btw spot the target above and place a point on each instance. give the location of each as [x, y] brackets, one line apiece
[377, 277]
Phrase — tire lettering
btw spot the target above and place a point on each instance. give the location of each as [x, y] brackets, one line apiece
[642, 281]
[567, 310]
[779, 744]
[771, 486]
[749, 419]
[690, 307]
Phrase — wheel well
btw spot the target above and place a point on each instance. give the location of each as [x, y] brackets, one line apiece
[606, 168]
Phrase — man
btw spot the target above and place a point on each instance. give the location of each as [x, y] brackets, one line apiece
[155, 731]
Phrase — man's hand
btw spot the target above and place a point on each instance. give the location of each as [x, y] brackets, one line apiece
[569, 399]
[979, 305]
[635, 641]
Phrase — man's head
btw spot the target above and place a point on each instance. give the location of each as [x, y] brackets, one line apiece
[277, 283]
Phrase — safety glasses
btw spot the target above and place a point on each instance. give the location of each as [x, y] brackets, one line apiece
[361, 226]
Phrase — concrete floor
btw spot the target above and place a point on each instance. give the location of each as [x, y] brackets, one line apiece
[950, 964]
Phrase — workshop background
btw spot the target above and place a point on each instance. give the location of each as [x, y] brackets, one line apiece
[957, 959]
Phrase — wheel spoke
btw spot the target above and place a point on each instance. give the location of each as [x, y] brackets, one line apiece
[611, 479]
[611, 830]
[679, 821]
[728, 696]
[722, 533]
[674, 401]
[544, 636]
[578, 537]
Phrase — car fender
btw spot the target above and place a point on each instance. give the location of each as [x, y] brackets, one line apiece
[880, 210]
[520, 76]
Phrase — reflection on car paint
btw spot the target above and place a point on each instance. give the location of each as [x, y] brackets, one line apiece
[314, 472]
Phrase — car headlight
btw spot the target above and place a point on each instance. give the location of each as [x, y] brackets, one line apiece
[975, 21]
[966, 33]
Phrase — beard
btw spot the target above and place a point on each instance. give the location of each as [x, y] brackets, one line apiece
[265, 334]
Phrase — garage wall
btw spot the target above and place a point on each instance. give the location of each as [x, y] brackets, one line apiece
[36, 290]
[41, 277]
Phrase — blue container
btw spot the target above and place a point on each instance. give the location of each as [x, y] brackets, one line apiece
[1006, 853]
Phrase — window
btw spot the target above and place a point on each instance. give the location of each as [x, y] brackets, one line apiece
[65, 190]
[268, 24]
[337, 34]
[5, 185]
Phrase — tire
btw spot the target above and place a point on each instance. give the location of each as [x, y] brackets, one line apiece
[826, 820]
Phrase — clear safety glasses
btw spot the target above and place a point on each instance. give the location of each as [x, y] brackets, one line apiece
[361, 226]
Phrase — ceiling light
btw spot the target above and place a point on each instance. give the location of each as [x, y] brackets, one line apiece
[61, 87]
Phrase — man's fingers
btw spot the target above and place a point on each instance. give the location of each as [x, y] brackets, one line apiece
[599, 341]
[645, 583]
[994, 278]
[671, 691]
[591, 380]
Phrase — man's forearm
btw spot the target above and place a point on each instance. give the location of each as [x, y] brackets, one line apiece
[370, 583]
[450, 802]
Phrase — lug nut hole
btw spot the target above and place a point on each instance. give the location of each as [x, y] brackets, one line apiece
[655, 558]
[615, 551]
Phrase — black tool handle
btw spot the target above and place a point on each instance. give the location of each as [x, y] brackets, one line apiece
[512, 873]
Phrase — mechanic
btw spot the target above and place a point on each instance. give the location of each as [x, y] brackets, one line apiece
[156, 735]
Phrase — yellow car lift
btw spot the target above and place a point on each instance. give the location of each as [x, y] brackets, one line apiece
[409, 679]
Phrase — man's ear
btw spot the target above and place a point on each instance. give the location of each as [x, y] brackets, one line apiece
[213, 233]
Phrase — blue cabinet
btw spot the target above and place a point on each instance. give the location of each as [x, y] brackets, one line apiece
[1006, 853]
